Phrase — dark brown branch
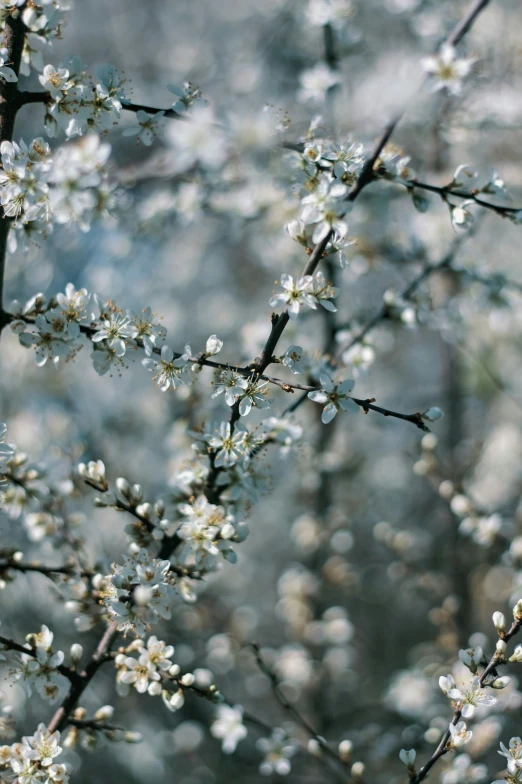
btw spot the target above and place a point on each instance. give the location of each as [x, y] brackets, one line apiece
[48, 571]
[466, 23]
[138, 107]
[445, 191]
[13, 42]
[61, 716]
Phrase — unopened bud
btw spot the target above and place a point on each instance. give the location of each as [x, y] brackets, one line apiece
[345, 749]
[408, 757]
[105, 713]
[76, 653]
[499, 621]
[123, 487]
[500, 683]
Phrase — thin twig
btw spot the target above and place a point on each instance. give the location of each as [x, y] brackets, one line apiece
[291, 709]
[60, 718]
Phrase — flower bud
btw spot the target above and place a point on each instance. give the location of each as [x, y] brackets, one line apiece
[345, 749]
[105, 713]
[501, 646]
[132, 737]
[173, 701]
[76, 653]
[144, 510]
[517, 654]
[123, 487]
[517, 610]
[357, 770]
[214, 346]
[142, 595]
[137, 493]
[432, 414]
[499, 621]
[314, 747]
[188, 679]
[501, 683]
[408, 757]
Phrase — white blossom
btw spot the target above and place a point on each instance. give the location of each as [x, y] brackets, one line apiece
[295, 293]
[447, 69]
[228, 727]
[335, 396]
[147, 128]
[278, 750]
[459, 734]
[315, 83]
[6, 72]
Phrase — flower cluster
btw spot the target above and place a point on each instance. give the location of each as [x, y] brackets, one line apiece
[42, 504]
[144, 673]
[55, 330]
[32, 760]
[513, 754]
[39, 669]
[247, 392]
[40, 188]
[206, 533]
[81, 101]
[140, 591]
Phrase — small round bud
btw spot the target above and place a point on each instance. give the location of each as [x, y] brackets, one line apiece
[132, 737]
[145, 510]
[345, 749]
[517, 654]
[123, 487]
[446, 489]
[105, 713]
[499, 621]
[76, 653]
[314, 747]
[501, 646]
[432, 414]
[137, 493]
[142, 595]
[357, 770]
[501, 683]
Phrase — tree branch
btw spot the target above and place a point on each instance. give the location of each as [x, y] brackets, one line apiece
[13, 42]
[60, 718]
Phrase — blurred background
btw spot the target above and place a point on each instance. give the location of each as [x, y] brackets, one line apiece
[359, 579]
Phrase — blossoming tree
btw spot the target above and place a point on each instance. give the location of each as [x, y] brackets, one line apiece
[261, 423]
